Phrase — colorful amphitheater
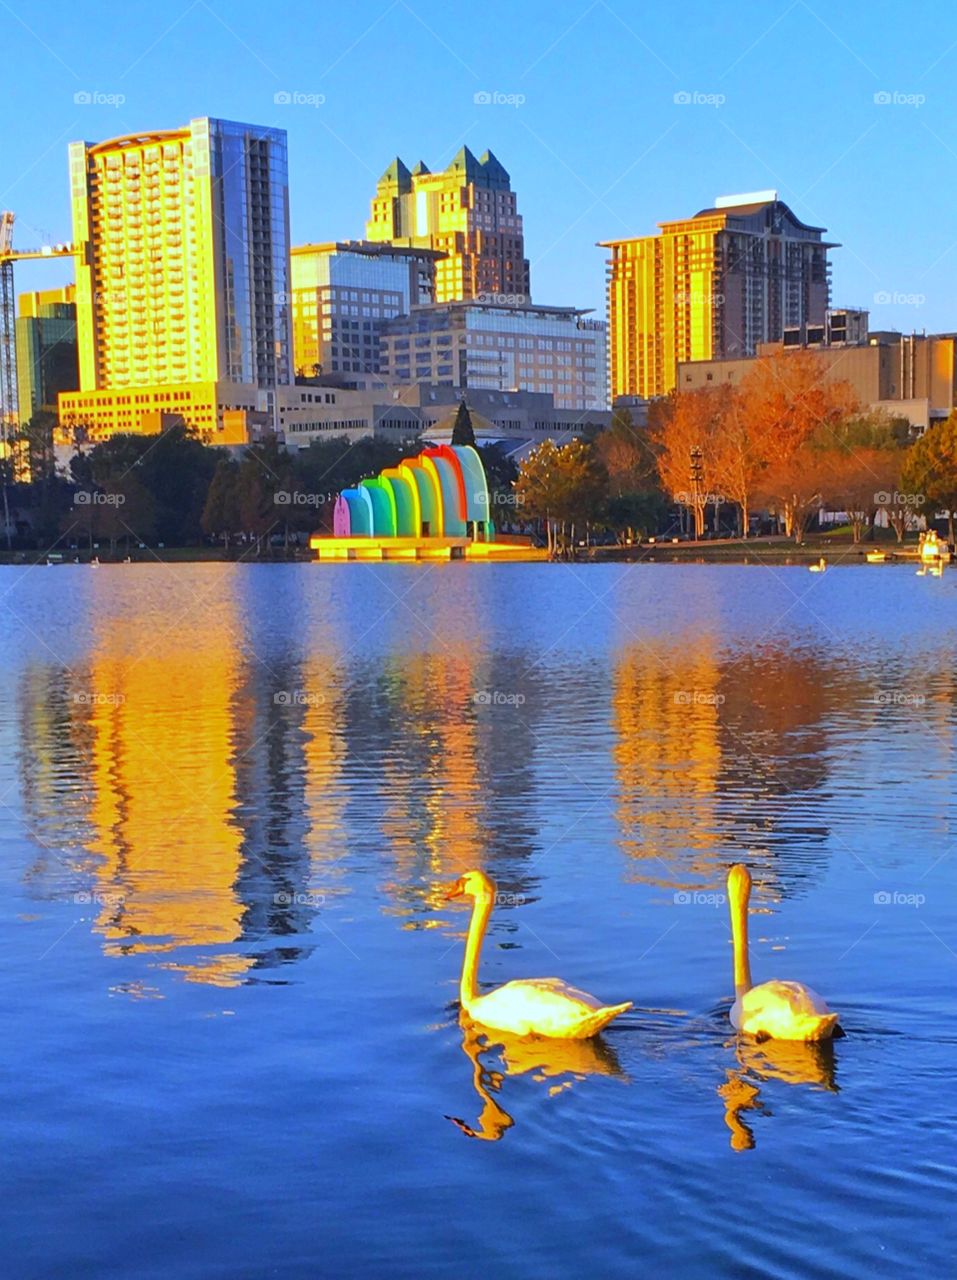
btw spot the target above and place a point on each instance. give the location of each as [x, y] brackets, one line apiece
[431, 507]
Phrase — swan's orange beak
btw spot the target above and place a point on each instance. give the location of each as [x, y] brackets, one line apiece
[454, 891]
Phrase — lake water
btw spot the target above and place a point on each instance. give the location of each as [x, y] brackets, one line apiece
[230, 798]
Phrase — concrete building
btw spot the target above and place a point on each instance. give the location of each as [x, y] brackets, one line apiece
[47, 361]
[485, 346]
[183, 276]
[469, 213]
[911, 376]
[711, 287]
[341, 295]
[522, 418]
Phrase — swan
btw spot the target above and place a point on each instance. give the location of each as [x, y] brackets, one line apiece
[819, 567]
[772, 1010]
[530, 1006]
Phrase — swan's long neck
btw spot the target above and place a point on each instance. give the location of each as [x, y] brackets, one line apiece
[468, 987]
[739, 934]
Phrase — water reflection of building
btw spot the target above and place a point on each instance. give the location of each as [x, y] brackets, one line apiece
[720, 753]
[184, 796]
[667, 753]
[419, 730]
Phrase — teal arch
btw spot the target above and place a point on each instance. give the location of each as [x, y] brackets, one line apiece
[360, 512]
[383, 506]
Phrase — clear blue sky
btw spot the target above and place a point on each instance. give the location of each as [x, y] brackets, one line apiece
[597, 146]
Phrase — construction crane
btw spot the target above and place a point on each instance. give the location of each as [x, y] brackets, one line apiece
[9, 407]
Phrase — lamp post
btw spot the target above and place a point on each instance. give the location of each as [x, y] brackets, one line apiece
[696, 473]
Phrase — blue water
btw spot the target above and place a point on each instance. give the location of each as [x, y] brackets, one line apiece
[230, 798]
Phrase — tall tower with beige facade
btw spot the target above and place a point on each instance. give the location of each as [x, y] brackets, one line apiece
[183, 278]
[711, 287]
[468, 212]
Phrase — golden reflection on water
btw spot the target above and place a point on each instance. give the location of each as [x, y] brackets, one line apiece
[556, 1065]
[791, 1062]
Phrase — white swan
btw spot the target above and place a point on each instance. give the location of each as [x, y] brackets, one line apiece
[772, 1010]
[529, 1006]
[819, 567]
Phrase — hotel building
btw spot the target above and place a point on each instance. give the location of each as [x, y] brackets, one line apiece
[467, 212]
[46, 349]
[478, 345]
[183, 278]
[342, 293]
[711, 287]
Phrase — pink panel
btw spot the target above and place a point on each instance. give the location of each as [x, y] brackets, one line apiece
[341, 519]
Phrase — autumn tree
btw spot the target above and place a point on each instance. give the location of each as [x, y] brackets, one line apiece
[684, 428]
[930, 470]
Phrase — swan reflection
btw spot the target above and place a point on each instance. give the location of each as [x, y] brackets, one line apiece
[557, 1064]
[792, 1062]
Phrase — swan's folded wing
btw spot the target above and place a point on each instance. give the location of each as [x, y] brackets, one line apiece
[536, 1006]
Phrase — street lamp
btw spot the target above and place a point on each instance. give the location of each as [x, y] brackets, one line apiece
[696, 475]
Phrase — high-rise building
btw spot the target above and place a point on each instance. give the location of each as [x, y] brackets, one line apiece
[711, 287]
[341, 295]
[468, 212]
[483, 345]
[46, 349]
[183, 275]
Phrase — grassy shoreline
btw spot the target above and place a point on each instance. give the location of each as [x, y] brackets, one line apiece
[837, 548]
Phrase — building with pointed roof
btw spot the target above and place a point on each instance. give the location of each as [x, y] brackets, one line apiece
[711, 287]
[468, 212]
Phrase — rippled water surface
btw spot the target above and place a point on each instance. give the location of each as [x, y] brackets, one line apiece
[230, 797]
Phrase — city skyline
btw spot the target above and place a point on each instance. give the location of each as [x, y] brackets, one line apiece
[675, 117]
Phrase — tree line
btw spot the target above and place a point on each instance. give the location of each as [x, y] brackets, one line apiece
[783, 443]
